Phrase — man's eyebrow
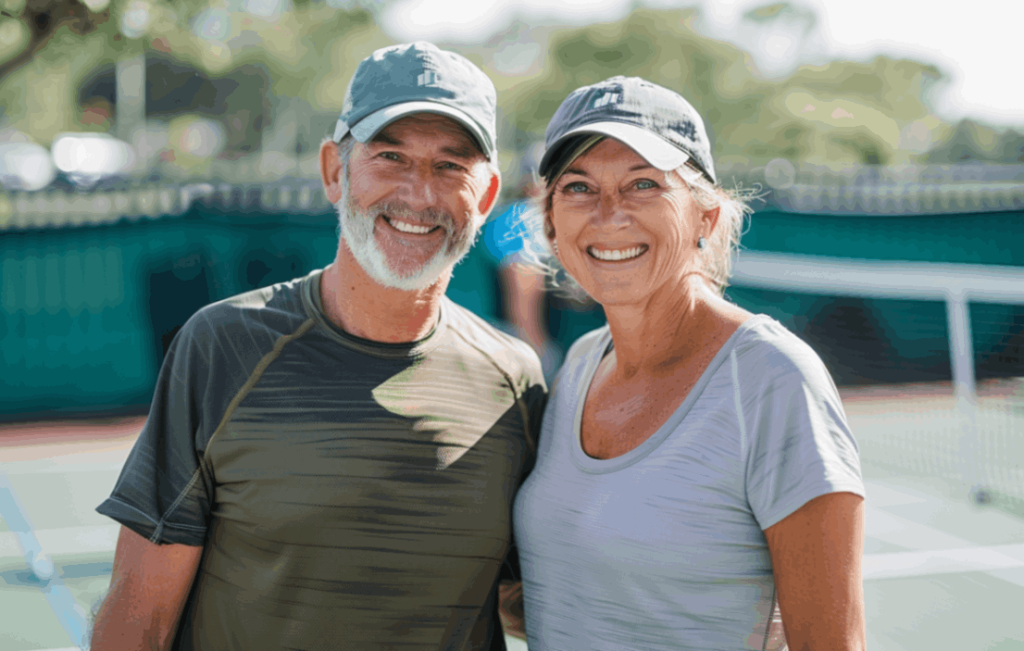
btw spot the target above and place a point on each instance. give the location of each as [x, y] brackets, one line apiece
[642, 166]
[575, 170]
[383, 138]
[465, 152]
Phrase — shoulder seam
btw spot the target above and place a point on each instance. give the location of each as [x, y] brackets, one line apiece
[524, 412]
[254, 377]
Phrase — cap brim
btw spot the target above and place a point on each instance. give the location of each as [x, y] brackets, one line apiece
[371, 125]
[656, 151]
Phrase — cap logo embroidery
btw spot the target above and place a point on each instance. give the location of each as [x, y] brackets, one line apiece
[605, 99]
[428, 78]
[688, 129]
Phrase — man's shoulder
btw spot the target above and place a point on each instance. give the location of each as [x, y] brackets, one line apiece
[255, 317]
[514, 355]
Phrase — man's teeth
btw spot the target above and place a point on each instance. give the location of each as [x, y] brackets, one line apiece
[620, 254]
[406, 227]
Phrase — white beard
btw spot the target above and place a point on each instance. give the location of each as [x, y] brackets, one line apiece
[357, 227]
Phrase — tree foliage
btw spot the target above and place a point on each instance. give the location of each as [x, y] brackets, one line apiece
[240, 61]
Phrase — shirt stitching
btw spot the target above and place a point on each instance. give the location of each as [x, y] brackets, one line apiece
[254, 377]
[524, 412]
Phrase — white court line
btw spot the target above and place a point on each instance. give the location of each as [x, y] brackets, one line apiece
[896, 565]
[899, 531]
[65, 540]
[511, 643]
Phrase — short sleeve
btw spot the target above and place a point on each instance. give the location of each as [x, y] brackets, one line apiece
[161, 493]
[800, 445]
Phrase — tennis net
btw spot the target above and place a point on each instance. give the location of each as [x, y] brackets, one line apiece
[929, 359]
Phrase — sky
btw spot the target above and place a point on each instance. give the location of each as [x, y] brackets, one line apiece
[976, 45]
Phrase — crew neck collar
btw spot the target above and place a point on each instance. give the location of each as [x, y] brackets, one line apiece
[315, 310]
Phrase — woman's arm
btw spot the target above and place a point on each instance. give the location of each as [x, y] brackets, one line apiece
[816, 554]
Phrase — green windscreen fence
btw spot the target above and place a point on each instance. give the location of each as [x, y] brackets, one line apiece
[88, 309]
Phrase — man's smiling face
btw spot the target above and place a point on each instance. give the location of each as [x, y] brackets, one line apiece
[414, 198]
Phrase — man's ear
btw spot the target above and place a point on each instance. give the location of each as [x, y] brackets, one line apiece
[491, 195]
[331, 171]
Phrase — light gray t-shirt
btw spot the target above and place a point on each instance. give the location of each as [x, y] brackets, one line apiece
[663, 547]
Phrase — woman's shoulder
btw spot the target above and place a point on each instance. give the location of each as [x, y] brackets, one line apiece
[766, 350]
[582, 354]
[590, 344]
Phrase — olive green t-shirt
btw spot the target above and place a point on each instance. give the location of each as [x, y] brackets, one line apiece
[348, 494]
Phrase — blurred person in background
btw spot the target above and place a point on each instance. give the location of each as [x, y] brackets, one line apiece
[550, 321]
[696, 473]
[330, 462]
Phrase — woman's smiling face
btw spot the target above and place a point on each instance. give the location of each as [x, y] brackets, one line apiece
[625, 229]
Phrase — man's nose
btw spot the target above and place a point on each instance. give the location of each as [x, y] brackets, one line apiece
[418, 190]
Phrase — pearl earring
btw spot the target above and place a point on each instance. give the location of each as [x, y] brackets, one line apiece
[702, 243]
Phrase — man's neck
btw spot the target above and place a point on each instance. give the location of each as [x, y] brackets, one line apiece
[361, 306]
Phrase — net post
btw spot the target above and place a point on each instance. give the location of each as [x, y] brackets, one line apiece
[961, 347]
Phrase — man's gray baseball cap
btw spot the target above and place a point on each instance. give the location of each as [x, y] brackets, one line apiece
[655, 122]
[400, 80]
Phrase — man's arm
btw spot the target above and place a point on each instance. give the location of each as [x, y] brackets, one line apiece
[816, 554]
[510, 608]
[147, 594]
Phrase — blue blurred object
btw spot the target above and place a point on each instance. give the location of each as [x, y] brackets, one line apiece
[506, 234]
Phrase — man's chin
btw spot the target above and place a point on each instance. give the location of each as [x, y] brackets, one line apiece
[406, 277]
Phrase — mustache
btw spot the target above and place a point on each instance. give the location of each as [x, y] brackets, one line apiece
[427, 217]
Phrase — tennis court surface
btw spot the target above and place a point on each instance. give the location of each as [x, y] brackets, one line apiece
[939, 571]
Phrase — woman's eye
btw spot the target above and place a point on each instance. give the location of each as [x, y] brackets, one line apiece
[576, 188]
[645, 184]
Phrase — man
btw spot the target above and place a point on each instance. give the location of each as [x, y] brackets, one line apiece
[329, 463]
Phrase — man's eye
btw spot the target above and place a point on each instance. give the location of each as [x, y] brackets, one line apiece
[576, 188]
[645, 184]
[389, 155]
[447, 165]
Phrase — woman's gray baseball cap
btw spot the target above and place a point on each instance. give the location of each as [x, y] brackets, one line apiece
[654, 121]
[397, 81]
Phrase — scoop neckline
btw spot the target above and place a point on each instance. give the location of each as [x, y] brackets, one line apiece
[594, 465]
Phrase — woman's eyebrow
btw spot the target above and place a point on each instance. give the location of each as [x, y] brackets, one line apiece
[635, 168]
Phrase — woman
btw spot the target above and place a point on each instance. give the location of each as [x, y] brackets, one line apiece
[696, 473]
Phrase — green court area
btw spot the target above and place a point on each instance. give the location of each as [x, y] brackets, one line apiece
[939, 571]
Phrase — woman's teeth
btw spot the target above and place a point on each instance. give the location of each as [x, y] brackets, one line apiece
[619, 254]
[406, 227]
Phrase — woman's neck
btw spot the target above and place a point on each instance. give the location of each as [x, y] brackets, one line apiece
[669, 329]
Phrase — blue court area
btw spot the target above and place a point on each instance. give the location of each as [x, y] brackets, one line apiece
[939, 572]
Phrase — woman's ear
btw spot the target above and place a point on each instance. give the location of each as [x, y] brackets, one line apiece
[710, 220]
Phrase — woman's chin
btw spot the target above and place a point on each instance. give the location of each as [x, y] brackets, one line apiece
[617, 295]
